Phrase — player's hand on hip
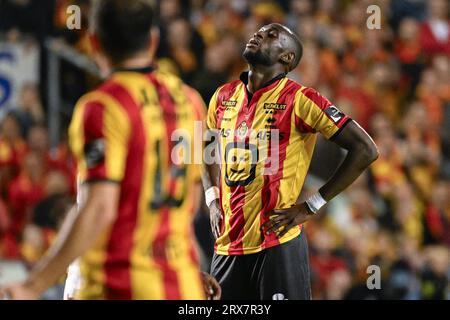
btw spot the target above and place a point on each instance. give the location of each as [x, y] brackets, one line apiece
[18, 292]
[211, 287]
[215, 217]
[283, 220]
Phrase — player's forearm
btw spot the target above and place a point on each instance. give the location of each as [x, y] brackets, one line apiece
[210, 177]
[78, 232]
[362, 151]
[356, 161]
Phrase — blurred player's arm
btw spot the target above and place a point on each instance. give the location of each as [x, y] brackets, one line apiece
[98, 134]
[79, 231]
[211, 174]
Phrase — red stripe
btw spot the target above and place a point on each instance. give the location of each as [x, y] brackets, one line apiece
[271, 186]
[302, 126]
[170, 278]
[237, 199]
[317, 98]
[117, 265]
[93, 129]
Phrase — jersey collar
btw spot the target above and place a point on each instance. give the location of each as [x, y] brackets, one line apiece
[244, 78]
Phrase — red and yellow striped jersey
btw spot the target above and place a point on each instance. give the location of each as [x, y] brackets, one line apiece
[122, 132]
[266, 144]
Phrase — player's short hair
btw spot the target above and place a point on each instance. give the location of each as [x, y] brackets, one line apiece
[123, 26]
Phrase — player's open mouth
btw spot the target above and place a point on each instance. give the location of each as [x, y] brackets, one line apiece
[252, 43]
[237, 171]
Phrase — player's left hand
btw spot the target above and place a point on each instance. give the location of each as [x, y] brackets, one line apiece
[211, 286]
[286, 219]
[18, 292]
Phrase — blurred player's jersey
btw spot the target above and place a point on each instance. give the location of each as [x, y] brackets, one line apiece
[121, 132]
[266, 144]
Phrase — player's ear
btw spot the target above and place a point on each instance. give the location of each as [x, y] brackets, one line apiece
[287, 58]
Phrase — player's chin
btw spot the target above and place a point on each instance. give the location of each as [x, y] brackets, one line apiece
[250, 53]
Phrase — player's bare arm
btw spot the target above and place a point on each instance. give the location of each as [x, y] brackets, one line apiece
[79, 231]
[362, 151]
[210, 180]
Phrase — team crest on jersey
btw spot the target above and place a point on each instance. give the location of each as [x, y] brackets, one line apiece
[334, 113]
[242, 130]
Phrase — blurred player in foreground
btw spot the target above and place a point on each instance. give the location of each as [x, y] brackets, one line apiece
[132, 226]
[261, 251]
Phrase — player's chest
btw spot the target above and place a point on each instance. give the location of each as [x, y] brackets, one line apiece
[242, 117]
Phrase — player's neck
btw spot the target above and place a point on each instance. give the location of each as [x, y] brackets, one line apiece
[259, 75]
[138, 61]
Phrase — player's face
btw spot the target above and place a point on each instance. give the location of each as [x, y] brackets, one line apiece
[265, 47]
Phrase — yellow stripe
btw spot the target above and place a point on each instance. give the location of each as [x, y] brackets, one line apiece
[117, 130]
[76, 137]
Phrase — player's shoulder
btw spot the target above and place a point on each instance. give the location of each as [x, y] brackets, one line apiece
[92, 95]
[167, 77]
[87, 100]
[292, 87]
[230, 86]
[99, 95]
[310, 94]
[294, 84]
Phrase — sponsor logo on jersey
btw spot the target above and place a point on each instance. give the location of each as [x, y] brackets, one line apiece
[229, 103]
[274, 106]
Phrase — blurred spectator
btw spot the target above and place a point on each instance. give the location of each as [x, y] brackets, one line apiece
[184, 45]
[12, 150]
[47, 217]
[30, 111]
[438, 214]
[435, 32]
[25, 191]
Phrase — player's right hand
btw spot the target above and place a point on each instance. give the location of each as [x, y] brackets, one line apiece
[211, 287]
[215, 217]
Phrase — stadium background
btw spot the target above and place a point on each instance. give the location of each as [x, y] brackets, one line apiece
[395, 81]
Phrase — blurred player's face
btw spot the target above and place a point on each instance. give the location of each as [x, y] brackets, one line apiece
[266, 46]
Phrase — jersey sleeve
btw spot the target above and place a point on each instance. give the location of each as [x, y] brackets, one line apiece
[315, 113]
[98, 138]
[211, 120]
